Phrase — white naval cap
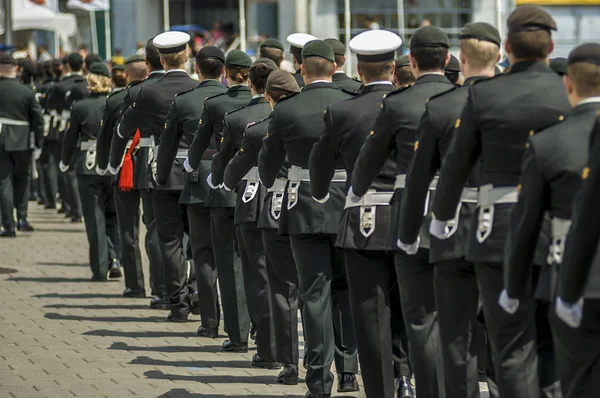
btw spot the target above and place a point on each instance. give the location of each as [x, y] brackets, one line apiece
[375, 45]
[298, 40]
[171, 42]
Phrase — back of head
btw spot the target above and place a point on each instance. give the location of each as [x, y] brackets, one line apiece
[272, 49]
[559, 65]
[91, 59]
[237, 66]
[479, 43]
[317, 60]
[152, 56]
[339, 51]
[529, 33]
[75, 62]
[375, 51]
[259, 73]
[429, 47]
[281, 83]
[98, 78]
[584, 70]
[118, 76]
[210, 61]
[452, 70]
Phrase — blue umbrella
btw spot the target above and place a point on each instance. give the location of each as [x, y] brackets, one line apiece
[189, 28]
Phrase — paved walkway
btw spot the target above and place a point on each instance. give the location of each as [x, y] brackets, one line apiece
[63, 336]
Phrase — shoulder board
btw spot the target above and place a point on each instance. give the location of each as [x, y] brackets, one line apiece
[134, 84]
[113, 93]
[258, 121]
[235, 110]
[398, 91]
[356, 80]
[185, 92]
[353, 93]
[491, 79]
[442, 94]
[285, 98]
[214, 96]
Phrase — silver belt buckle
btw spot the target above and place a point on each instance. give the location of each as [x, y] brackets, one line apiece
[292, 194]
[485, 222]
[47, 120]
[276, 204]
[90, 158]
[250, 191]
[556, 250]
[367, 220]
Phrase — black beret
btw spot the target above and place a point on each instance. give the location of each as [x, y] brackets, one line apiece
[272, 43]
[74, 58]
[402, 60]
[282, 80]
[210, 52]
[238, 59]
[318, 48]
[118, 67]
[588, 53]
[65, 60]
[337, 46]
[265, 61]
[559, 65]
[481, 31]
[429, 36]
[151, 50]
[529, 18]
[99, 68]
[91, 59]
[135, 58]
[56, 62]
[7, 59]
[453, 64]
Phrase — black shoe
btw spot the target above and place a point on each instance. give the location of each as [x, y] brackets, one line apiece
[305, 361]
[209, 333]
[289, 375]
[311, 395]
[405, 388]
[258, 362]
[134, 293]
[100, 278]
[23, 225]
[75, 219]
[52, 206]
[195, 308]
[347, 382]
[8, 234]
[159, 303]
[115, 271]
[40, 201]
[61, 211]
[177, 318]
[230, 346]
[253, 332]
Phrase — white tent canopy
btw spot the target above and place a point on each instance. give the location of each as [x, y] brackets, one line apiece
[27, 15]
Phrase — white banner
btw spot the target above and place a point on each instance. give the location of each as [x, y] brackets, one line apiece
[89, 5]
[51, 5]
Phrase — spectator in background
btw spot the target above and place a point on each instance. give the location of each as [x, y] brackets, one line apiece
[118, 58]
[42, 54]
[140, 48]
[83, 50]
[426, 22]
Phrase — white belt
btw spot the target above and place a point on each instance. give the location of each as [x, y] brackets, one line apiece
[146, 142]
[252, 175]
[488, 197]
[296, 175]
[13, 122]
[368, 209]
[252, 185]
[401, 182]
[278, 190]
[560, 229]
[182, 153]
[469, 195]
[88, 145]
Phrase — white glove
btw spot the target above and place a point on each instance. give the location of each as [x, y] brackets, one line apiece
[37, 153]
[353, 198]
[570, 314]
[226, 187]
[411, 249]
[112, 170]
[325, 199]
[439, 229]
[100, 171]
[63, 167]
[186, 165]
[509, 305]
[210, 184]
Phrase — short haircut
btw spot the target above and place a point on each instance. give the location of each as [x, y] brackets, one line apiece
[530, 45]
[375, 71]
[98, 83]
[340, 60]
[259, 74]
[210, 68]
[430, 58]
[585, 78]
[136, 71]
[276, 93]
[238, 75]
[481, 54]
[274, 54]
[152, 56]
[75, 64]
[174, 60]
[297, 57]
[118, 77]
[91, 59]
[404, 75]
[317, 67]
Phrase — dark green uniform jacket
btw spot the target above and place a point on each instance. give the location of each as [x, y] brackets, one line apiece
[344, 82]
[112, 111]
[70, 88]
[20, 116]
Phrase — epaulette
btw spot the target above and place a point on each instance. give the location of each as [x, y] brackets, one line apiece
[214, 96]
[356, 80]
[286, 97]
[443, 93]
[353, 93]
[185, 92]
[235, 110]
[134, 84]
[114, 93]
[398, 91]
[493, 78]
[252, 124]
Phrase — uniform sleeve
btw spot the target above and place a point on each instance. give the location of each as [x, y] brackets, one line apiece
[36, 122]
[582, 240]
[374, 152]
[169, 144]
[105, 137]
[322, 160]
[201, 138]
[226, 152]
[132, 117]
[425, 163]
[272, 154]
[70, 140]
[243, 160]
[458, 163]
[525, 226]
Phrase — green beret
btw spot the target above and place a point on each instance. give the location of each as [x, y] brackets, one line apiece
[135, 58]
[238, 59]
[207, 52]
[318, 48]
[429, 37]
[118, 67]
[529, 18]
[559, 65]
[265, 61]
[282, 80]
[453, 64]
[7, 59]
[337, 46]
[272, 43]
[402, 61]
[480, 31]
[99, 68]
[588, 53]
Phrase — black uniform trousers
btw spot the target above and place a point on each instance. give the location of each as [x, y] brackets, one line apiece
[101, 224]
[283, 286]
[172, 226]
[72, 193]
[152, 245]
[128, 212]
[231, 279]
[256, 286]
[578, 352]
[517, 340]
[417, 296]
[40, 182]
[15, 169]
[457, 299]
[327, 316]
[204, 264]
[49, 162]
[378, 321]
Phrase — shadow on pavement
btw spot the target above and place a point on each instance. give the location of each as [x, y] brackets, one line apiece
[59, 230]
[152, 334]
[53, 315]
[181, 393]
[158, 375]
[239, 364]
[63, 264]
[49, 280]
[99, 306]
[78, 295]
[166, 349]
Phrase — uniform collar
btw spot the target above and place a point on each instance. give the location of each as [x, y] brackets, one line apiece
[319, 81]
[432, 77]
[534, 66]
[589, 101]
[379, 82]
[175, 70]
[117, 89]
[258, 96]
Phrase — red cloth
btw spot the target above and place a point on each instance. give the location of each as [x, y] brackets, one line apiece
[126, 176]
